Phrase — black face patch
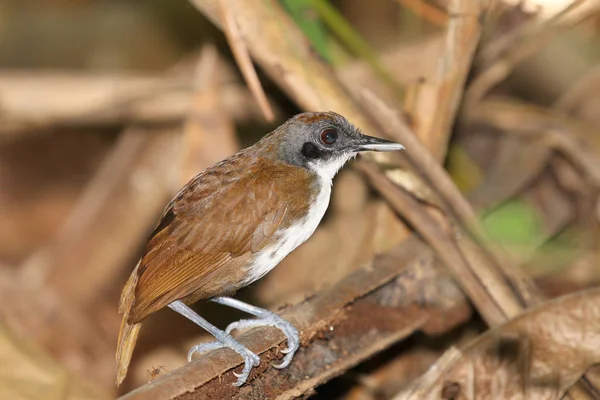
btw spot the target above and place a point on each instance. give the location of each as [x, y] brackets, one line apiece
[310, 150]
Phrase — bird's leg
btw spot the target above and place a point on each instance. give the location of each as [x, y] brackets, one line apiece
[265, 318]
[224, 339]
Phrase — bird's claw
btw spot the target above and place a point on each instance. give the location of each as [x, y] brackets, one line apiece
[250, 359]
[272, 319]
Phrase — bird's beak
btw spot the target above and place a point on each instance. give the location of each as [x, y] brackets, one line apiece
[369, 143]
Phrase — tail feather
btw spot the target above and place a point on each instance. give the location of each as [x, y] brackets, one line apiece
[127, 337]
[128, 333]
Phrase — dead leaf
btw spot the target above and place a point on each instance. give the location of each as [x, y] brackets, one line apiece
[538, 355]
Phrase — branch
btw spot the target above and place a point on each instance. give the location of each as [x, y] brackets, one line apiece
[29, 102]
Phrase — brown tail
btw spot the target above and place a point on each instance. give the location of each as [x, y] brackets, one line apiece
[128, 333]
[127, 337]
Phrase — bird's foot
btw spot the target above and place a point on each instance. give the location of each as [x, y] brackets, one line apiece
[250, 359]
[271, 319]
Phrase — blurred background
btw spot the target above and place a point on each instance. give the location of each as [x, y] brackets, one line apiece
[107, 107]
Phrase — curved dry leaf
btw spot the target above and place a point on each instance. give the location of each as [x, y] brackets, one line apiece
[538, 355]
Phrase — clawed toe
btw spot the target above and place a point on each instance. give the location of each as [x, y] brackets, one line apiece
[286, 361]
[274, 320]
[203, 348]
[250, 359]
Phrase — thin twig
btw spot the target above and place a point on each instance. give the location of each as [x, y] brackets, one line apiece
[242, 57]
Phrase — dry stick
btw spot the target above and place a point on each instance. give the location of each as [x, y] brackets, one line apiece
[242, 57]
[339, 328]
[426, 11]
[491, 307]
[95, 101]
[456, 204]
[444, 93]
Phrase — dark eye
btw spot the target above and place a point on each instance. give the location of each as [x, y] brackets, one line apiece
[329, 136]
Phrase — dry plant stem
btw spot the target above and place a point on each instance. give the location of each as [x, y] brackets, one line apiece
[494, 302]
[426, 11]
[242, 57]
[339, 328]
[443, 92]
[99, 101]
[456, 205]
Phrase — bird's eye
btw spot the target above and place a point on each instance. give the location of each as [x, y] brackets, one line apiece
[329, 136]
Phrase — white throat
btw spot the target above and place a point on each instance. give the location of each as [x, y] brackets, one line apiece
[327, 169]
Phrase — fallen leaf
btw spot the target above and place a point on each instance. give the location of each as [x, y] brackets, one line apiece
[538, 355]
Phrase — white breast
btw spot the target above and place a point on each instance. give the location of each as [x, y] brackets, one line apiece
[292, 237]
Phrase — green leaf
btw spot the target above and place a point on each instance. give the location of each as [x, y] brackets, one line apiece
[311, 24]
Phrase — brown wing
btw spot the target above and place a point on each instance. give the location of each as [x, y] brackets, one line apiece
[209, 231]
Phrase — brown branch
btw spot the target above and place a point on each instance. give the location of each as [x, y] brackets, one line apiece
[340, 327]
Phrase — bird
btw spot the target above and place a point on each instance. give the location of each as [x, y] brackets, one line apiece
[233, 223]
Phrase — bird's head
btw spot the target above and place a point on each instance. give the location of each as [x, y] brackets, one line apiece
[323, 142]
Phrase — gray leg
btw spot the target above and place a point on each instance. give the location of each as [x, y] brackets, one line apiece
[265, 318]
[224, 339]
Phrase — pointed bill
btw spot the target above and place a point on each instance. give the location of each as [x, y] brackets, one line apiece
[369, 143]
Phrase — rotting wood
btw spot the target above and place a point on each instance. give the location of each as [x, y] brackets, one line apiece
[340, 327]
